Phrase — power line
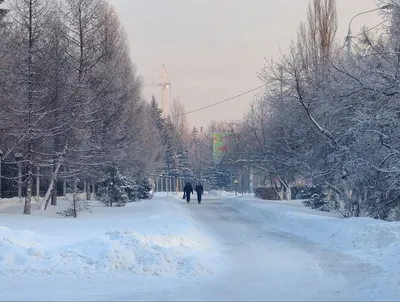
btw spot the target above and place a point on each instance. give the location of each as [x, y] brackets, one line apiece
[372, 28]
[361, 33]
[224, 101]
[259, 87]
[247, 92]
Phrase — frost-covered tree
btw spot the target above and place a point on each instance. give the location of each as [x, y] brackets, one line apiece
[116, 189]
[24, 90]
[70, 96]
[331, 118]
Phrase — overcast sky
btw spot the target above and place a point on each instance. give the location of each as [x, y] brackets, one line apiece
[213, 49]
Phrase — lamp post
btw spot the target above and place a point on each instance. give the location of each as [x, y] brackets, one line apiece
[349, 37]
[1, 159]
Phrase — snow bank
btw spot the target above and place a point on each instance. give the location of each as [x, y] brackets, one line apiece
[151, 238]
[23, 252]
[372, 240]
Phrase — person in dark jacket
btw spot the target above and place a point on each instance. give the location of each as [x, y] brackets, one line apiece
[199, 189]
[188, 189]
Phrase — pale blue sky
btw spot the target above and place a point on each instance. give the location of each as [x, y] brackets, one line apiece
[213, 49]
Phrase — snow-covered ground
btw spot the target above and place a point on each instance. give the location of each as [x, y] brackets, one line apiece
[369, 239]
[229, 247]
[149, 238]
[373, 241]
[9, 202]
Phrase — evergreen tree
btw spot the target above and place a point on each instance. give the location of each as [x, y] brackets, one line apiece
[75, 206]
[194, 136]
[176, 152]
[184, 166]
[156, 114]
[116, 189]
[144, 189]
[169, 148]
[218, 177]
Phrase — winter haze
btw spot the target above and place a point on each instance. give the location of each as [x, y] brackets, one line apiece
[293, 196]
[213, 49]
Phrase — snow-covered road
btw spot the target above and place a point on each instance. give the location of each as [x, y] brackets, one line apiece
[271, 265]
[223, 249]
[265, 264]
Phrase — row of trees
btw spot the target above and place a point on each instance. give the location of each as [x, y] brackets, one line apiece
[70, 96]
[330, 118]
[189, 152]
[71, 104]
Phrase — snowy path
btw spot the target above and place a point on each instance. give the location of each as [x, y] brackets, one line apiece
[165, 249]
[264, 264]
[270, 265]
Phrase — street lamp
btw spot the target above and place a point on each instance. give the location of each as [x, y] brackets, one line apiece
[349, 37]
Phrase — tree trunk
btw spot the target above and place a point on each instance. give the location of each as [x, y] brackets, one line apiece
[288, 193]
[43, 205]
[54, 194]
[74, 204]
[46, 198]
[288, 189]
[75, 194]
[88, 191]
[38, 182]
[54, 190]
[28, 198]
[65, 182]
[279, 191]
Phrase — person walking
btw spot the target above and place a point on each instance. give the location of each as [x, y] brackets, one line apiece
[188, 189]
[199, 189]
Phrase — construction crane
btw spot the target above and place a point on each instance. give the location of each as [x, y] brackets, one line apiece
[165, 85]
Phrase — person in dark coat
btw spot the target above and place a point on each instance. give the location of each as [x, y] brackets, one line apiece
[199, 189]
[188, 189]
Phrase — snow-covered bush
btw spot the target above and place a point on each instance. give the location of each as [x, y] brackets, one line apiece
[75, 206]
[317, 198]
[118, 189]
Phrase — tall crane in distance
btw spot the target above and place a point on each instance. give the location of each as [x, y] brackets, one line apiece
[165, 86]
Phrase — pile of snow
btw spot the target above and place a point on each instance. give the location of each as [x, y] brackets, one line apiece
[372, 240]
[151, 238]
[24, 252]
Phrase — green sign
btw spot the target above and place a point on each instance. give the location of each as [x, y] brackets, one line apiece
[221, 145]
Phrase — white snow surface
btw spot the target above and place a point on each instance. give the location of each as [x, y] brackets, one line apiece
[223, 194]
[9, 202]
[140, 239]
[229, 247]
[373, 240]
